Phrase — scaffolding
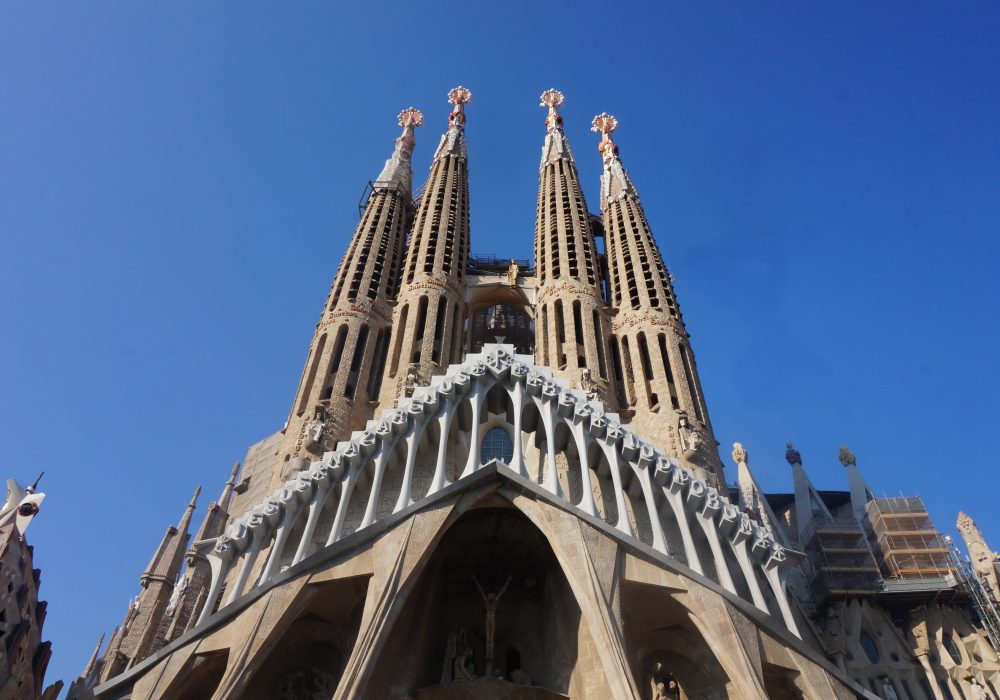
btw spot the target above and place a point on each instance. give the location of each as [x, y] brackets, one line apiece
[842, 563]
[910, 552]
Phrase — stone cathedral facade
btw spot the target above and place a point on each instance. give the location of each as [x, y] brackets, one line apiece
[499, 479]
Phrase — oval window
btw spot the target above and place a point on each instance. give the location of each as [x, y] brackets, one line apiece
[497, 445]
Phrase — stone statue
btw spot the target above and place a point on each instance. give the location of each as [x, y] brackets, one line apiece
[834, 635]
[314, 428]
[458, 658]
[462, 666]
[889, 690]
[491, 600]
[588, 385]
[512, 273]
[976, 690]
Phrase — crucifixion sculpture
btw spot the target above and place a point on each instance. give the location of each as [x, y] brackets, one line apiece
[491, 600]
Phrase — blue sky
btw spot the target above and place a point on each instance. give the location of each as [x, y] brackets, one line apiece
[178, 183]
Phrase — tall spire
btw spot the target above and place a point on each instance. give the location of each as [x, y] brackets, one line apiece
[651, 350]
[397, 172]
[428, 315]
[344, 369]
[752, 496]
[572, 322]
[809, 507]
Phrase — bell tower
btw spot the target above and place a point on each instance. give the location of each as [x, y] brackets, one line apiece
[571, 323]
[430, 309]
[343, 372]
[650, 347]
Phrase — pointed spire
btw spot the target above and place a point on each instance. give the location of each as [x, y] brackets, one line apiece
[808, 504]
[860, 493]
[752, 497]
[453, 141]
[185, 522]
[227, 490]
[397, 173]
[89, 668]
[615, 181]
[556, 145]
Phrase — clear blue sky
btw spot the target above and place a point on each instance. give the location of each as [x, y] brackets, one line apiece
[178, 183]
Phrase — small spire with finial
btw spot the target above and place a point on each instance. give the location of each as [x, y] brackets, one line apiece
[458, 96]
[194, 498]
[792, 455]
[552, 99]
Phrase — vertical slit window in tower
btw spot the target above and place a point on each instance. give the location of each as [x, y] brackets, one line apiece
[545, 335]
[338, 348]
[692, 387]
[356, 359]
[662, 340]
[560, 335]
[398, 348]
[553, 225]
[378, 364]
[581, 353]
[611, 260]
[647, 369]
[418, 329]
[629, 377]
[456, 335]
[616, 363]
[442, 309]
[601, 361]
[307, 388]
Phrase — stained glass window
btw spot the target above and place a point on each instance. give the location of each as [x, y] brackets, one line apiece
[497, 445]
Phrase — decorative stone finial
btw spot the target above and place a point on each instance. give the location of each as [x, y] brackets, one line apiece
[792, 455]
[411, 117]
[552, 98]
[459, 96]
[740, 455]
[605, 125]
[964, 522]
[846, 457]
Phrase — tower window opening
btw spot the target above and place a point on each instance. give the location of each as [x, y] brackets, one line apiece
[692, 387]
[418, 331]
[601, 360]
[545, 335]
[647, 369]
[629, 377]
[442, 309]
[581, 356]
[356, 359]
[616, 363]
[671, 386]
[496, 445]
[456, 335]
[378, 363]
[397, 349]
[338, 348]
[560, 335]
[307, 387]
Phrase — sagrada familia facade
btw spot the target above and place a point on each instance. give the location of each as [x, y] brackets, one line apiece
[499, 479]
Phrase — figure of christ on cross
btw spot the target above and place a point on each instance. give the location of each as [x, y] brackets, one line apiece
[491, 600]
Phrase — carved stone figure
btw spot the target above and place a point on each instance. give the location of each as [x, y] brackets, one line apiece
[491, 600]
[976, 690]
[889, 690]
[458, 660]
[512, 273]
[588, 385]
[834, 636]
[314, 428]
